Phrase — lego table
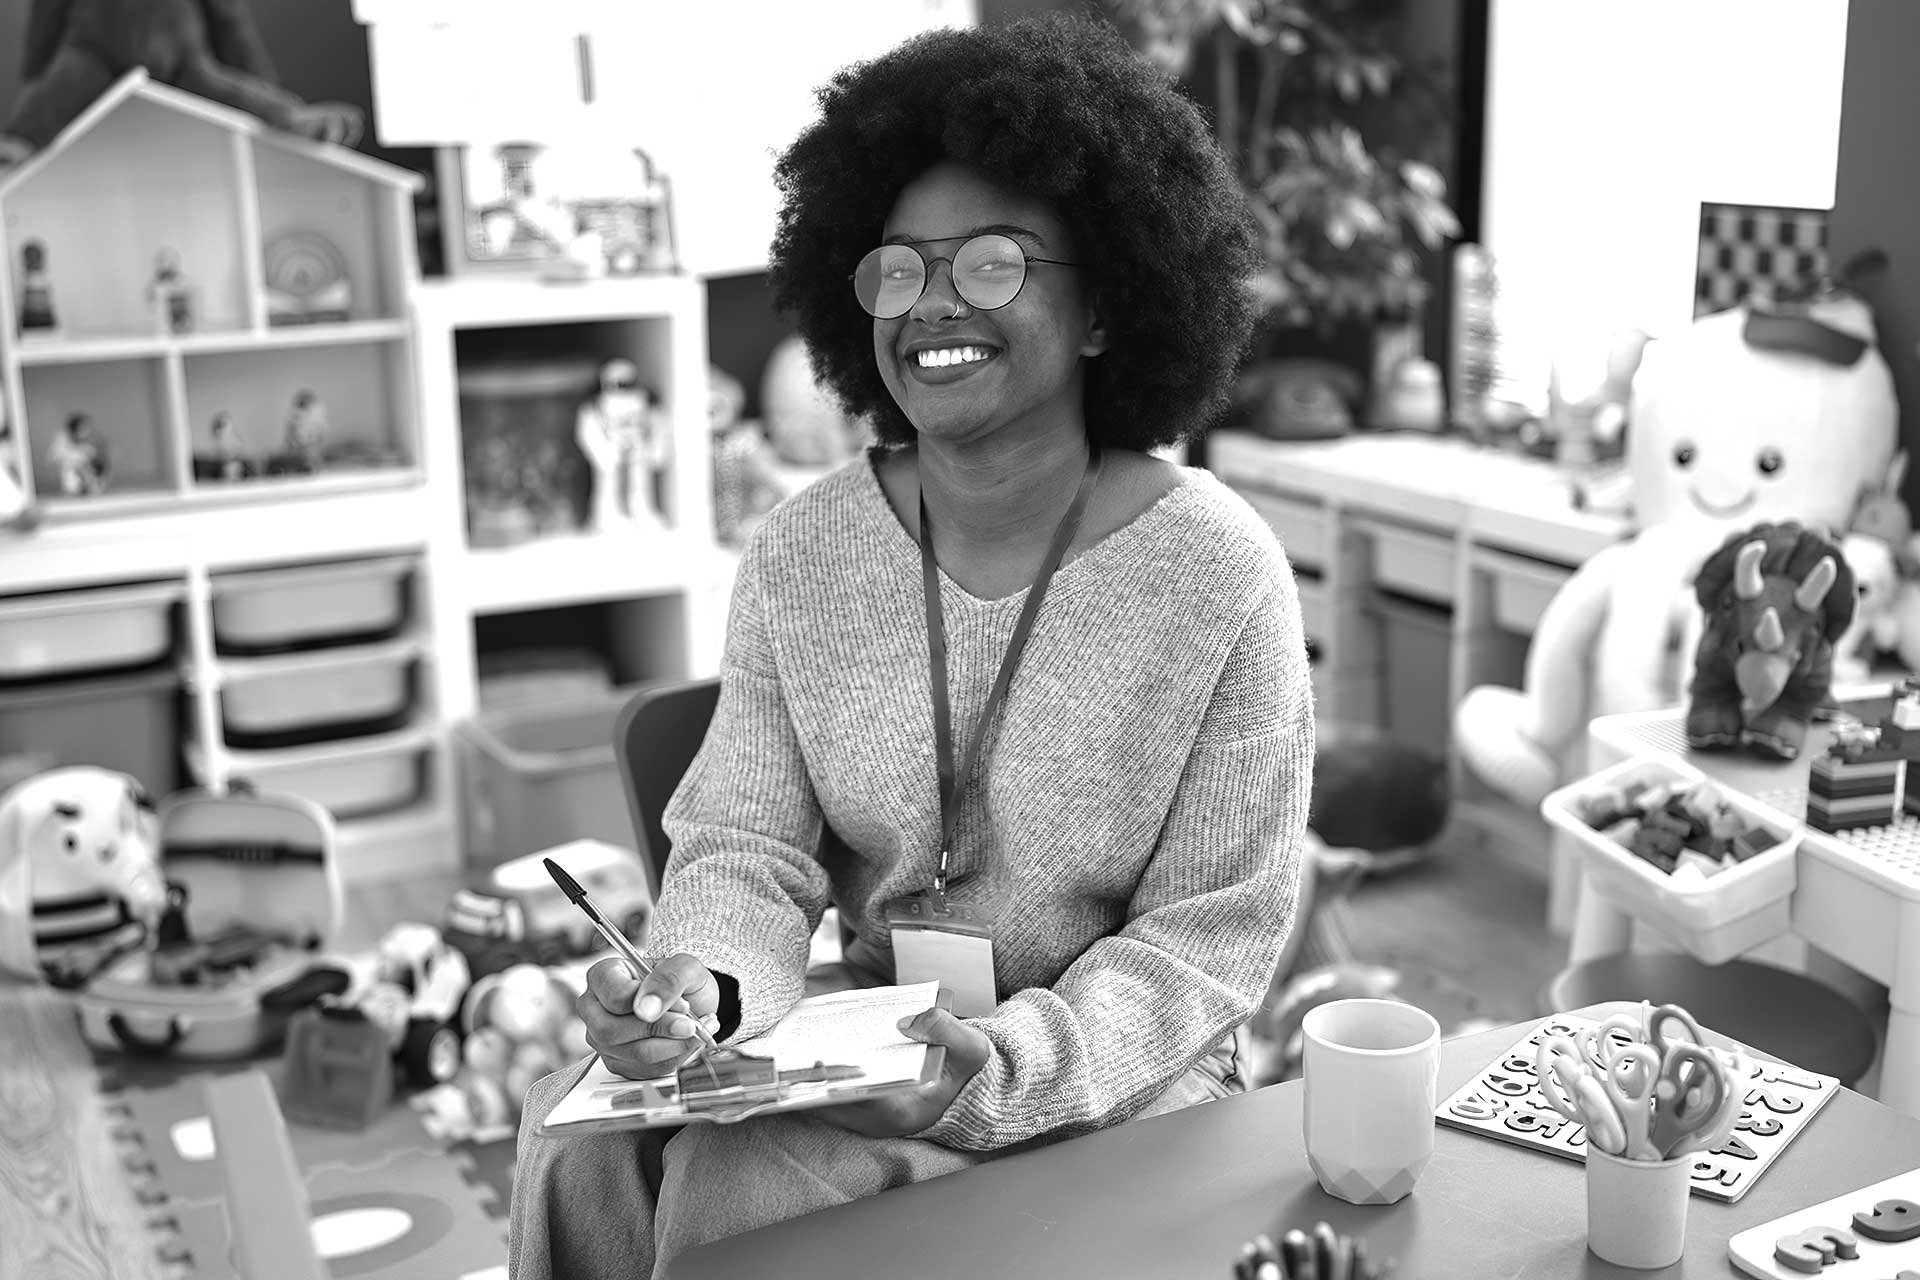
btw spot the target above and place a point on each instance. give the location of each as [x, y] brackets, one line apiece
[1856, 895]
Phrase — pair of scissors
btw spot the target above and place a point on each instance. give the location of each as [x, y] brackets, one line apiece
[1697, 1092]
[1613, 1099]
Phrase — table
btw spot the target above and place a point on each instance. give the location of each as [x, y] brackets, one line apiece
[1856, 895]
[1175, 1196]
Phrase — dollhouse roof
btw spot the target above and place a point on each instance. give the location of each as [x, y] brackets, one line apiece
[137, 84]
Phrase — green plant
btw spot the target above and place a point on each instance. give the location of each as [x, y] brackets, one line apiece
[1338, 143]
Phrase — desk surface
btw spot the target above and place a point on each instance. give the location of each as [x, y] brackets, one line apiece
[1175, 1196]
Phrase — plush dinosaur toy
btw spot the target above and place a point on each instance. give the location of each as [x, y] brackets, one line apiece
[75, 49]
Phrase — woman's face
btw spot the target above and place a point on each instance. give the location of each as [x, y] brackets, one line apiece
[1016, 368]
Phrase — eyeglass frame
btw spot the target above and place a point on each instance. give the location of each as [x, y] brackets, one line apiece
[927, 264]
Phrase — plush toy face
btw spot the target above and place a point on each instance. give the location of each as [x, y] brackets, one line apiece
[1727, 435]
[84, 831]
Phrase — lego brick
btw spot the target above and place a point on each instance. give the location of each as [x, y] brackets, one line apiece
[1846, 781]
[1829, 815]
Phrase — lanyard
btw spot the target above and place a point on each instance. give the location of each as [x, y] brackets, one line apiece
[951, 784]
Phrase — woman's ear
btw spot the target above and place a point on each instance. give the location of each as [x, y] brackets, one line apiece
[1096, 341]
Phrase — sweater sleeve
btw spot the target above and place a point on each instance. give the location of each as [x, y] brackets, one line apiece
[1205, 924]
[744, 888]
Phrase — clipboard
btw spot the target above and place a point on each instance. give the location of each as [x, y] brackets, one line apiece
[728, 1087]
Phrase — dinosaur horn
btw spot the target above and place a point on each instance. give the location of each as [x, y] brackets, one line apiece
[1767, 632]
[1813, 588]
[1746, 570]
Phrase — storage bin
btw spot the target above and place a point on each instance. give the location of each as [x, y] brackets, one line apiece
[538, 776]
[338, 693]
[525, 474]
[1717, 918]
[95, 630]
[129, 723]
[341, 602]
[1416, 641]
[353, 779]
[1411, 562]
[522, 677]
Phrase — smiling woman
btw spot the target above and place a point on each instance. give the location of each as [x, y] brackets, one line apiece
[1007, 670]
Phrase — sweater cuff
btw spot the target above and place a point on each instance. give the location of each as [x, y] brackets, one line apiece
[764, 987]
[967, 1123]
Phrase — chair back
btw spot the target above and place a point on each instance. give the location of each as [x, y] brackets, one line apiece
[655, 738]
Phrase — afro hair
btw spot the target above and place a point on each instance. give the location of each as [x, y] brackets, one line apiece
[1063, 110]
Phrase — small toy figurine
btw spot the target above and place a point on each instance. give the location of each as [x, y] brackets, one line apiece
[170, 296]
[37, 315]
[230, 448]
[626, 439]
[306, 432]
[1775, 597]
[80, 458]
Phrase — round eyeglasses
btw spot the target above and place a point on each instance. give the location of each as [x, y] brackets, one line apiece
[988, 272]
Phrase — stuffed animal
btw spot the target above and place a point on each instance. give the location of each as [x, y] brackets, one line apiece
[520, 1027]
[75, 50]
[1775, 597]
[1875, 628]
[1725, 429]
[79, 870]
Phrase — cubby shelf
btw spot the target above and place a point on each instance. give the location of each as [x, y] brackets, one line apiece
[150, 168]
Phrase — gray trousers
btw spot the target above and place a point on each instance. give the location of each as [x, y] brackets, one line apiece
[620, 1205]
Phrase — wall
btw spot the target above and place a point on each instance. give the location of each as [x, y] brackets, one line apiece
[1878, 187]
[1610, 121]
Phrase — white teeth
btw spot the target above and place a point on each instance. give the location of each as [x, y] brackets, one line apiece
[941, 357]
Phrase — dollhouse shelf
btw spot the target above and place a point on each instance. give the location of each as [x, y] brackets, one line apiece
[148, 168]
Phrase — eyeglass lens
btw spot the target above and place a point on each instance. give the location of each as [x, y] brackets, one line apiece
[988, 271]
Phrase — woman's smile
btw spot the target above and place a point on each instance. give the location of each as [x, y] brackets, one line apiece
[937, 364]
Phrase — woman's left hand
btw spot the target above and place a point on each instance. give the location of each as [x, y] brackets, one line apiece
[895, 1115]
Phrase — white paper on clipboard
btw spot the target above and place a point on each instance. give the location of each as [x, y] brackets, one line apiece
[845, 1028]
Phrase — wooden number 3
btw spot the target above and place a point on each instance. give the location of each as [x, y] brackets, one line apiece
[1814, 1248]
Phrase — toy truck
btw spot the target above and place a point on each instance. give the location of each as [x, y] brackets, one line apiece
[517, 915]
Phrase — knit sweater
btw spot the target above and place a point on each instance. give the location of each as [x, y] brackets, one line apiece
[1135, 818]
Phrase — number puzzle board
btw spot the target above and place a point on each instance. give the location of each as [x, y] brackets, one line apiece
[1853, 1222]
[1504, 1101]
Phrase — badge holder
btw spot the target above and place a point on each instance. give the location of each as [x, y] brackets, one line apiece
[936, 939]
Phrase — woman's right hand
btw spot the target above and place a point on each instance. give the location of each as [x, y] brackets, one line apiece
[644, 1029]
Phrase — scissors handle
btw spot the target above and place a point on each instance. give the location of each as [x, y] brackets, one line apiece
[1692, 1094]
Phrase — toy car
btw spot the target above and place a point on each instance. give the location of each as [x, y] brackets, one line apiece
[517, 915]
[409, 991]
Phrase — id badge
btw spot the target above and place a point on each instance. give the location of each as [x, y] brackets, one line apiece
[936, 939]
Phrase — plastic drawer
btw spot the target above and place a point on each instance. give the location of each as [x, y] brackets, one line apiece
[1412, 562]
[337, 693]
[128, 723]
[1522, 588]
[98, 629]
[273, 610]
[1716, 918]
[1300, 526]
[355, 779]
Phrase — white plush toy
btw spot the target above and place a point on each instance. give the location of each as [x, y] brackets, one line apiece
[83, 846]
[1875, 628]
[1730, 425]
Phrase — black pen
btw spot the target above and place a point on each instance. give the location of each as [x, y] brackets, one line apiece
[619, 941]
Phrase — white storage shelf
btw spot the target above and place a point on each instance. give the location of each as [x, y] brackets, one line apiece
[154, 171]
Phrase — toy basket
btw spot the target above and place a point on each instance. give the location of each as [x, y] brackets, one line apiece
[1717, 918]
[249, 860]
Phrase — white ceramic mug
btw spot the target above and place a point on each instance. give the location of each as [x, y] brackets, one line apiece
[1372, 1068]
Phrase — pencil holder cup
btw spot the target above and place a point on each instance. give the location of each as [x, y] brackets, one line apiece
[1371, 1067]
[1637, 1209]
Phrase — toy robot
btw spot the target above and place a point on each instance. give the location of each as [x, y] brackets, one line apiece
[626, 439]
